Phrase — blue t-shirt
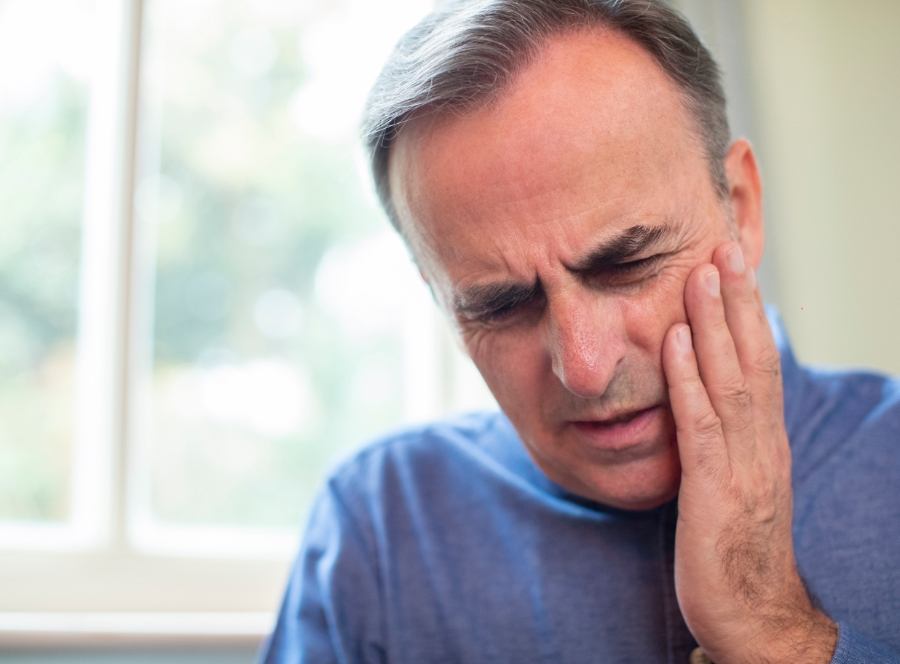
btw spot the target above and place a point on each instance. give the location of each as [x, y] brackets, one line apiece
[445, 543]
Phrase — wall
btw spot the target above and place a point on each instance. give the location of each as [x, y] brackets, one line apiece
[825, 92]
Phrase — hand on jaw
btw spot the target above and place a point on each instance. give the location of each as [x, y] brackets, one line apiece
[735, 573]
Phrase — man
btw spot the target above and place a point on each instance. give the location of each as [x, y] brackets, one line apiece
[562, 174]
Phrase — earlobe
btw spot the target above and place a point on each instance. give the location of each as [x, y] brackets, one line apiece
[745, 196]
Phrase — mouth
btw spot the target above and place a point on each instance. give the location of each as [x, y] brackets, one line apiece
[624, 430]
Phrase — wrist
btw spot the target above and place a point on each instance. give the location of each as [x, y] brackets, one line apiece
[809, 640]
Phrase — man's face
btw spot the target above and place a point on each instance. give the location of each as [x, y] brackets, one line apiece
[558, 225]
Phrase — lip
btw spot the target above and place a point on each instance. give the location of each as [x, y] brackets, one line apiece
[622, 431]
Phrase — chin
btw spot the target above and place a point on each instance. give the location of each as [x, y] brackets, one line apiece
[641, 502]
[637, 486]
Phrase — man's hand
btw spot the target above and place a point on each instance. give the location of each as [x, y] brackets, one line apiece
[735, 573]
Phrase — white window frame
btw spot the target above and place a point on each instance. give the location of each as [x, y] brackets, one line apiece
[84, 579]
[95, 579]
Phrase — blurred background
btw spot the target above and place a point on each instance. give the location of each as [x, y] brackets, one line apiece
[202, 308]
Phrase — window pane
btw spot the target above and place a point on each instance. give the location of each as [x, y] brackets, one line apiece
[279, 296]
[44, 88]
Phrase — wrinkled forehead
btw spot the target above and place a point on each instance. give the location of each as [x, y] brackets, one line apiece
[592, 103]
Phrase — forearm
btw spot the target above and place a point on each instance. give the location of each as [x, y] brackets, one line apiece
[810, 639]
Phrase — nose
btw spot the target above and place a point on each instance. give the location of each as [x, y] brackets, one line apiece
[585, 339]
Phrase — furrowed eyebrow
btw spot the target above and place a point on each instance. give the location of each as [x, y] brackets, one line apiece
[628, 244]
[477, 301]
[481, 300]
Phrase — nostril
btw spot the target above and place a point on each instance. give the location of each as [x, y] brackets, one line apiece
[583, 370]
[584, 342]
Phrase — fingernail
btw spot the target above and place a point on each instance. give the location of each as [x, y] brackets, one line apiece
[711, 281]
[683, 338]
[736, 260]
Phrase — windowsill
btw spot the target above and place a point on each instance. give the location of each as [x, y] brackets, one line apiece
[35, 630]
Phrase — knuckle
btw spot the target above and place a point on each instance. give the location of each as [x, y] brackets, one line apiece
[707, 426]
[737, 402]
[768, 363]
[737, 396]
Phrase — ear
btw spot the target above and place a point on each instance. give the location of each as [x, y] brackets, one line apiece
[745, 196]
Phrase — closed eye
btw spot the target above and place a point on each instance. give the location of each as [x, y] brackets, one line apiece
[510, 312]
[635, 266]
[627, 273]
[501, 305]
[504, 307]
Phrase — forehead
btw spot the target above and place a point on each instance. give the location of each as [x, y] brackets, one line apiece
[592, 129]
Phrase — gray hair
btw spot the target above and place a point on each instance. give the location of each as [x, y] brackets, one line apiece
[465, 52]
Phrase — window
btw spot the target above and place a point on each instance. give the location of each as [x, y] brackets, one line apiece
[45, 73]
[278, 292]
[203, 306]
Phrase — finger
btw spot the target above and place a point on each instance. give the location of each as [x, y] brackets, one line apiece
[701, 440]
[756, 350]
[718, 363]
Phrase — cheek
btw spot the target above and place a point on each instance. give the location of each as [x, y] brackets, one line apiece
[512, 365]
[650, 314]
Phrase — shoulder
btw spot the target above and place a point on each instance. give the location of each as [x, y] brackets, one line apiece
[851, 402]
[828, 411]
[846, 512]
[444, 439]
[402, 493]
[846, 450]
[864, 407]
[431, 457]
